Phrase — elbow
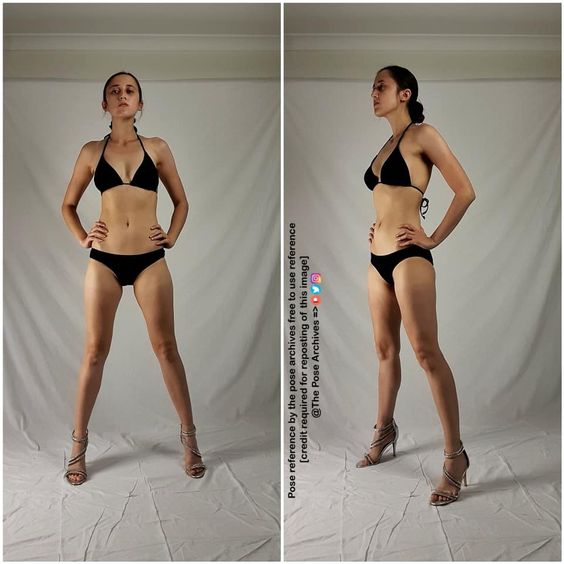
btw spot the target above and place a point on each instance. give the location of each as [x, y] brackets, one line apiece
[181, 204]
[66, 207]
[469, 195]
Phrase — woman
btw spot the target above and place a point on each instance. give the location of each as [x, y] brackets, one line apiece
[401, 277]
[127, 248]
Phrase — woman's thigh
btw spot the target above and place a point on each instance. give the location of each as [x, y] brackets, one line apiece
[385, 314]
[102, 294]
[154, 293]
[414, 280]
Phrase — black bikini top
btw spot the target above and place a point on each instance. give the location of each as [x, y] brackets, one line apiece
[146, 176]
[394, 171]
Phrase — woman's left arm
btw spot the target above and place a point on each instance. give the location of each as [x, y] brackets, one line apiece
[171, 180]
[437, 150]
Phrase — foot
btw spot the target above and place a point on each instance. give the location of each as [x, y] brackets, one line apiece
[193, 463]
[455, 467]
[79, 466]
[381, 439]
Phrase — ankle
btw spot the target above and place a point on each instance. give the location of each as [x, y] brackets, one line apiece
[452, 447]
[381, 423]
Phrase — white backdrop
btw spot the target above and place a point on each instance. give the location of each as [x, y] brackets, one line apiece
[498, 307]
[224, 135]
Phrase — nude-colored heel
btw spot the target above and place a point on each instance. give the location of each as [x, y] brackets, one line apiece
[389, 436]
[82, 475]
[458, 484]
[198, 469]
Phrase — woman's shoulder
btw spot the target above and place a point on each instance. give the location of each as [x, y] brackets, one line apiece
[426, 134]
[156, 143]
[94, 145]
[424, 128]
[91, 148]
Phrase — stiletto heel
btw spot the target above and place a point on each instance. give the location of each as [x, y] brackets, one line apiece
[387, 435]
[452, 496]
[81, 474]
[198, 469]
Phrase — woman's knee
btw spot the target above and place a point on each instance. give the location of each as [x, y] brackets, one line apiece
[165, 348]
[428, 355]
[386, 349]
[96, 353]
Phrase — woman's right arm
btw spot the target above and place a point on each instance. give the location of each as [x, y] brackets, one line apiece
[81, 177]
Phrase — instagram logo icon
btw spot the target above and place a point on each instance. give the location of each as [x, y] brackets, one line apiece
[315, 278]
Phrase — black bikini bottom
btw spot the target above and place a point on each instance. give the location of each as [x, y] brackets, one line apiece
[127, 267]
[385, 264]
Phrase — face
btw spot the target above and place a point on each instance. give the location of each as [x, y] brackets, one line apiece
[122, 96]
[384, 94]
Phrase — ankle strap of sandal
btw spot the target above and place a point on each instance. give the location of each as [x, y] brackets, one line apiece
[82, 439]
[190, 433]
[454, 454]
[384, 434]
[385, 427]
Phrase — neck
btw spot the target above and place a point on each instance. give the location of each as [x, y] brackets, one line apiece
[398, 123]
[122, 131]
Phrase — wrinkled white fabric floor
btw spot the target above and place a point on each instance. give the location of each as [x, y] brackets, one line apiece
[138, 504]
[510, 509]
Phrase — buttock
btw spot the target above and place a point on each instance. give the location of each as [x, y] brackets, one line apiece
[385, 264]
[127, 268]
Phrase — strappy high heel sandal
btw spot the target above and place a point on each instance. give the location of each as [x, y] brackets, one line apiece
[458, 484]
[387, 435]
[81, 473]
[198, 469]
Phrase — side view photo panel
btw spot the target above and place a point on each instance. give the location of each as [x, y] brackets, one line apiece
[422, 288]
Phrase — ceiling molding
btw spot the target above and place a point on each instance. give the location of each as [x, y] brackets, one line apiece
[138, 42]
[428, 42]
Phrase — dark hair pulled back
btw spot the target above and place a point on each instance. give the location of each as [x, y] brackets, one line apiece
[138, 86]
[405, 79]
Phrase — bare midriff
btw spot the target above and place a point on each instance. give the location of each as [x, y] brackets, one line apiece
[128, 212]
[394, 206]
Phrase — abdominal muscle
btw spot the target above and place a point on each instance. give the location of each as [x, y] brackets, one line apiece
[394, 207]
[128, 213]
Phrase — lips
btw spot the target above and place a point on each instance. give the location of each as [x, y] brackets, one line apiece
[123, 104]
